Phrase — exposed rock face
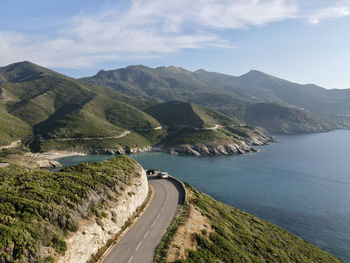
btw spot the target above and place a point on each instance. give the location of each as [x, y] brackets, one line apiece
[94, 233]
[49, 164]
[120, 150]
[206, 149]
[3, 165]
[255, 137]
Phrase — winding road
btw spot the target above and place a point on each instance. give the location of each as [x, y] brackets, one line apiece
[140, 243]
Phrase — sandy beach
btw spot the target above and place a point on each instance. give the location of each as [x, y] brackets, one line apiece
[56, 154]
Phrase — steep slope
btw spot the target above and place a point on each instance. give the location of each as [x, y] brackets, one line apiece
[279, 119]
[176, 113]
[196, 130]
[64, 112]
[260, 86]
[12, 128]
[210, 231]
[41, 212]
[228, 94]
[310, 97]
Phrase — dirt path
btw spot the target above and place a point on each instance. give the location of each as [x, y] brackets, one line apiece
[90, 138]
[12, 145]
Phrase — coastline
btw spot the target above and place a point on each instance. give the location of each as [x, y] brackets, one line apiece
[52, 155]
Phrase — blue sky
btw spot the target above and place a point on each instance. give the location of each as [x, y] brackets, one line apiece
[302, 41]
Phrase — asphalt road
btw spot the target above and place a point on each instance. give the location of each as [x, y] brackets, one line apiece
[140, 243]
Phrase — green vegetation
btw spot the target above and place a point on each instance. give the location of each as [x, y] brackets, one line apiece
[12, 128]
[277, 118]
[19, 150]
[163, 247]
[54, 112]
[39, 209]
[176, 113]
[234, 96]
[236, 236]
[190, 136]
[190, 123]
[41, 105]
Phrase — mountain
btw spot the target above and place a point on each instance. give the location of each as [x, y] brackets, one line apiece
[197, 130]
[53, 111]
[233, 96]
[61, 110]
[289, 120]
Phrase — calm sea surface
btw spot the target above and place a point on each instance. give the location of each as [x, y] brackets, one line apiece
[301, 184]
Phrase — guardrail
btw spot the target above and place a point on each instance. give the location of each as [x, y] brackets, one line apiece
[182, 186]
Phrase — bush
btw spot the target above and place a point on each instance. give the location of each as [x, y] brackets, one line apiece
[37, 208]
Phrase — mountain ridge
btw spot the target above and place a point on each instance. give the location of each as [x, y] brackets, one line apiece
[233, 95]
[62, 112]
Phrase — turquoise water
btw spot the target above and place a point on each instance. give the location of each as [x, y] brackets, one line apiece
[301, 184]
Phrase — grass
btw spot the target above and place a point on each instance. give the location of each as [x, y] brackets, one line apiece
[132, 140]
[49, 105]
[190, 136]
[43, 107]
[239, 237]
[163, 247]
[39, 209]
[12, 128]
[176, 113]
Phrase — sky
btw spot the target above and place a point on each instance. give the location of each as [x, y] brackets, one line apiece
[305, 41]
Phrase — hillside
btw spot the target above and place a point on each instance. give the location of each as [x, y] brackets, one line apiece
[58, 110]
[210, 231]
[282, 119]
[227, 94]
[50, 111]
[12, 128]
[40, 210]
[196, 130]
[176, 113]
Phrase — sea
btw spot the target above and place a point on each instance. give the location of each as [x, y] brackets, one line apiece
[300, 183]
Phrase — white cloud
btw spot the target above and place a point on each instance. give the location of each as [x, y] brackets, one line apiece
[339, 10]
[146, 28]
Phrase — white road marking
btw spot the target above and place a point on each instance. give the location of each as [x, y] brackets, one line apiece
[153, 224]
[146, 234]
[138, 246]
[158, 216]
[131, 259]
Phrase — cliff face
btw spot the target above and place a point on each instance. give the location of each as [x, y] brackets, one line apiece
[93, 233]
[251, 137]
[208, 149]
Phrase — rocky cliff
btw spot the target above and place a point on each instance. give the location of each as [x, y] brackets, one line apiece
[93, 233]
[243, 144]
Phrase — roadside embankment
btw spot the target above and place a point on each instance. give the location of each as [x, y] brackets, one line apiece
[211, 231]
[93, 233]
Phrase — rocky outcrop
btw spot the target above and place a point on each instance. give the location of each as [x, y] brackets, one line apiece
[47, 164]
[251, 137]
[120, 150]
[207, 149]
[3, 165]
[94, 233]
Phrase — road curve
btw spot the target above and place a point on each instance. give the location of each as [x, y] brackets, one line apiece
[139, 244]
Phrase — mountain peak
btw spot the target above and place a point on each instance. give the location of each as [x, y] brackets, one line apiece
[174, 69]
[200, 71]
[22, 71]
[255, 73]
